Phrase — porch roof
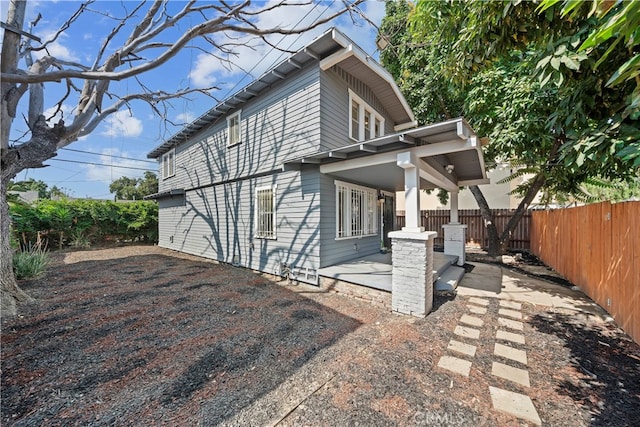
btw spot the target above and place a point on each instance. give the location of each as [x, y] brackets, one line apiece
[449, 152]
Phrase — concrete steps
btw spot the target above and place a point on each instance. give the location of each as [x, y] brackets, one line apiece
[446, 275]
[448, 281]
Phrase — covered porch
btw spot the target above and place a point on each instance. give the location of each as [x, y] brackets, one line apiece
[445, 155]
[375, 271]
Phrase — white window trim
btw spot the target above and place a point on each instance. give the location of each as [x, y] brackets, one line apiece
[364, 107]
[256, 212]
[229, 118]
[169, 154]
[369, 192]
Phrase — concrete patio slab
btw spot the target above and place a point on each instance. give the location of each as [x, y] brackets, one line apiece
[512, 324]
[510, 336]
[477, 310]
[463, 331]
[456, 365]
[510, 353]
[515, 404]
[471, 320]
[460, 347]
[510, 313]
[517, 375]
[479, 301]
[511, 304]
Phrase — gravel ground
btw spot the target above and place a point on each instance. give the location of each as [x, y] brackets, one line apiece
[139, 335]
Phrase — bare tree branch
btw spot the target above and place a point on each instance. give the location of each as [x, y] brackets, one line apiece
[106, 72]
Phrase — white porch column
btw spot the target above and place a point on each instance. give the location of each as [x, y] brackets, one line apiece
[453, 216]
[409, 163]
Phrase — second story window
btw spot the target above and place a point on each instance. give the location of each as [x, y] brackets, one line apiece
[169, 164]
[364, 122]
[234, 129]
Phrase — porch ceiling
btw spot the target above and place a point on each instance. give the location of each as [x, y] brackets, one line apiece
[438, 146]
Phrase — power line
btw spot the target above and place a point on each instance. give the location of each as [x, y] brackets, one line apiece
[108, 155]
[106, 166]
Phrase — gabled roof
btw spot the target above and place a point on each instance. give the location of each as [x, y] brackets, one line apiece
[331, 48]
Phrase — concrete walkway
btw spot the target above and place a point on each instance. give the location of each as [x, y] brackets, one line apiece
[512, 290]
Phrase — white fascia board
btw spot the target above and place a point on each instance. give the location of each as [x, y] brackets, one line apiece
[474, 182]
[360, 162]
[446, 147]
[405, 126]
[336, 58]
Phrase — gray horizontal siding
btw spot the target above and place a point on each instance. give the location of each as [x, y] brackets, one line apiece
[218, 222]
[334, 251]
[334, 107]
[279, 124]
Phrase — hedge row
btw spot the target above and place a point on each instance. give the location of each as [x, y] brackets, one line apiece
[81, 223]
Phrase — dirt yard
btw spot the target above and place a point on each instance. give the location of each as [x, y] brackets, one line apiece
[143, 336]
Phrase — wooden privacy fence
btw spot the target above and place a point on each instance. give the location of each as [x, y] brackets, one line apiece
[433, 220]
[596, 247]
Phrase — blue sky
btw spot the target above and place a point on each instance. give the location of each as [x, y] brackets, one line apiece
[124, 139]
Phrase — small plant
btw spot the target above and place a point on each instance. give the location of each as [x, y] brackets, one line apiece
[79, 239]
[30, 263]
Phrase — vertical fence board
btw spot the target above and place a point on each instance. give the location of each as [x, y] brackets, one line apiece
[596, 247]
[433, 220]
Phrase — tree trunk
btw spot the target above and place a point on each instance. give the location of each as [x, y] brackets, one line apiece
[499, 243]
[10, 292]
[495, 248]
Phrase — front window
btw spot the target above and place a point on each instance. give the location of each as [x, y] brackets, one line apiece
[168, 164]
[234, 129]
[356, 210]
[265, 211]
[365, 122]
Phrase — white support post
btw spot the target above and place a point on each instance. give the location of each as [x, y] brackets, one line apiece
[453, 216]
[411, 192]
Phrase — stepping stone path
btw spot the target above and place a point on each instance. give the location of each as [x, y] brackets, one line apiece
[510, 363]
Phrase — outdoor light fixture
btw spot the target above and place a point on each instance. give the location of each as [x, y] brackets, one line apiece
[449, 168]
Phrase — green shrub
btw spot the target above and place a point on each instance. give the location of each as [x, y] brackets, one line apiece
[30, 263]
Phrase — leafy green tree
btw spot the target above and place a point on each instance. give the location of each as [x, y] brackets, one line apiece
[482, 60]
[126, 188]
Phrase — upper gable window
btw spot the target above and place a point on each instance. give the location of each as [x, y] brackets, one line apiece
[234, 129]
[169, 164]
[365, 122]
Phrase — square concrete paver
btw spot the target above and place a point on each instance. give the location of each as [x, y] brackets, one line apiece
[510, 336]
[511, 304]
[460, 347]
[454, 364]
[517, 375]
[510, 313]
[513, 324]
[477, 310]
[510, 353]
[463, 331]
[471, 320]
[515, 404]
[479, 301]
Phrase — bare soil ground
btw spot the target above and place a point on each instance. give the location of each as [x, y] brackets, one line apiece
[143, 336]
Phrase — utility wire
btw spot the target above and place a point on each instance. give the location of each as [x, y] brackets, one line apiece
[102, 164]
[108, 155]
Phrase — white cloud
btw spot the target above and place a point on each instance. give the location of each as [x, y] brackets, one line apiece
[112, 168]
[56, 49]
[375, 10]
[186, 117]
[122, 123]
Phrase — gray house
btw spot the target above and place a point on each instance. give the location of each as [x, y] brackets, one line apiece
[300, 167]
